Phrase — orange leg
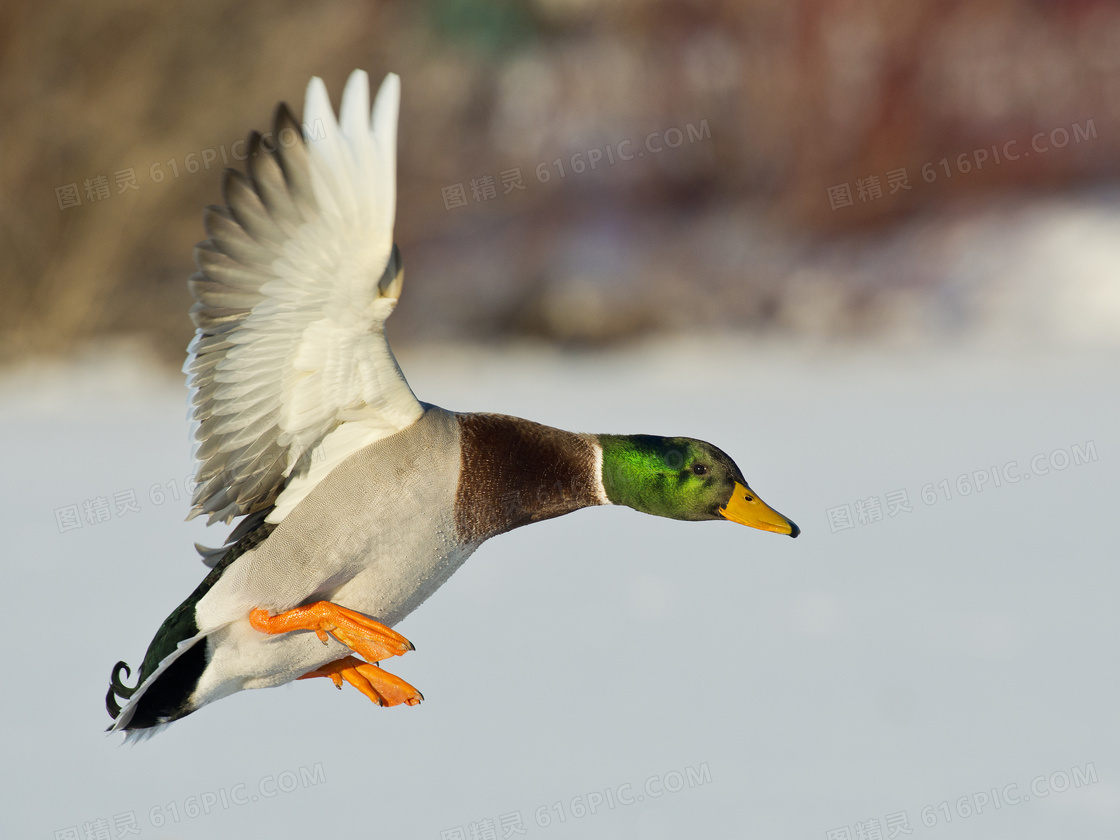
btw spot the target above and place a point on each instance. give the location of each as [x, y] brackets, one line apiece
[362, 635]
[381, 687]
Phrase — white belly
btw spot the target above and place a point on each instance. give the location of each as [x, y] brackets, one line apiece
[242, 657]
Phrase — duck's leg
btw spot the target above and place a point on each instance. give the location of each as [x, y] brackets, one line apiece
[362, 635]
[380, 686]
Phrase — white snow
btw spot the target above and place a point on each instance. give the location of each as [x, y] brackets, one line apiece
[800, 686]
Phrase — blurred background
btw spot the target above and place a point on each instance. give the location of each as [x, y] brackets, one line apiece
[588, 172]
[868, 248]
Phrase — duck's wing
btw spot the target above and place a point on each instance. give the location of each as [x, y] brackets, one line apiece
[295, 283]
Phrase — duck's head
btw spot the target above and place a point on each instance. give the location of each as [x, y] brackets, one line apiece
[683, 478]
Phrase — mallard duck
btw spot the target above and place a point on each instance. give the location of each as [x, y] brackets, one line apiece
[357, 500]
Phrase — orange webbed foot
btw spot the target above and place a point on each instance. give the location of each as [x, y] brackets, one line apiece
[369, 638]
[380, 686]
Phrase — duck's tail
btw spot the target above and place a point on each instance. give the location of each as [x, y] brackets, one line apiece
[117, 689]
[178, 654]
[160, 697]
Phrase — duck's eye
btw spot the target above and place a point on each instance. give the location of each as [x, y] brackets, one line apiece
[700, 469]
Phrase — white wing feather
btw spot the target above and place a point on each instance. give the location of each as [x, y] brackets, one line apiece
[289, 370]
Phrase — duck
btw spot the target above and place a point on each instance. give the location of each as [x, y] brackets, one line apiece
[355, 500]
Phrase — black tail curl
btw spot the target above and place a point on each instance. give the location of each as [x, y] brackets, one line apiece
[118, 689]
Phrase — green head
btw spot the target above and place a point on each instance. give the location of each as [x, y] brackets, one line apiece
[683, 478]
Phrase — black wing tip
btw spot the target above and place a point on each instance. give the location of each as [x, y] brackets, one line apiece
[284, 119]
[234, 179]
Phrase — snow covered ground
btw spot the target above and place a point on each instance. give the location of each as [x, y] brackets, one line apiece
[951, 661]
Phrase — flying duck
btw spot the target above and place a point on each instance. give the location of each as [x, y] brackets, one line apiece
[357, 501]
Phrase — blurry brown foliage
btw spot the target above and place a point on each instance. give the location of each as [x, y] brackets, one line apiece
[799, 95]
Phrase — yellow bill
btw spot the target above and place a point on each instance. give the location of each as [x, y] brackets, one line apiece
[746, 508]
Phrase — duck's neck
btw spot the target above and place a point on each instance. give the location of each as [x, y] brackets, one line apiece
[514, 472]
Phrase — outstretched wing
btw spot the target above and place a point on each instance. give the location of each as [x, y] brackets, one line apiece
[295, 283]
